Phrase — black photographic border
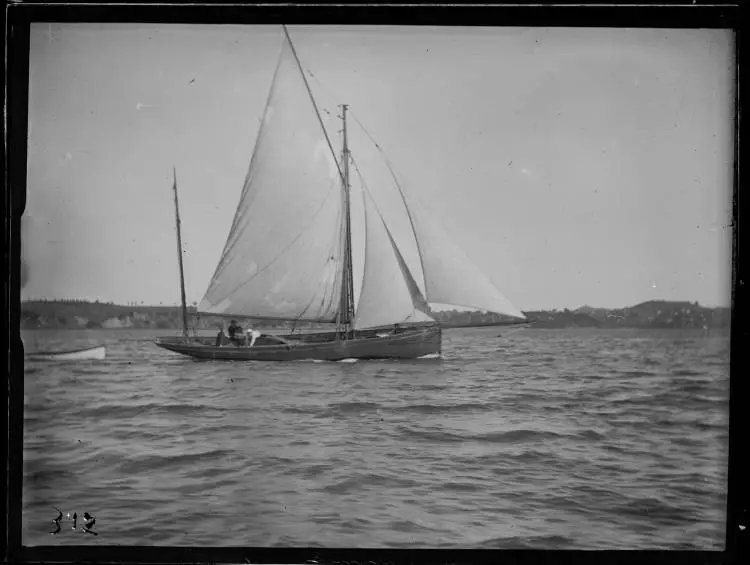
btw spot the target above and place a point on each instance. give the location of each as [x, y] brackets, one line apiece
[667, 14]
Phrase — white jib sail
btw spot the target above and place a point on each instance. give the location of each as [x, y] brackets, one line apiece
[450, 276]
[386, 297]
[282, 258]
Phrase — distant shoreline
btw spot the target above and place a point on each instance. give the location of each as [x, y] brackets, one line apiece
[655, 314]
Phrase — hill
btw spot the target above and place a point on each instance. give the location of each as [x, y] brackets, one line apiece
[662, 314]
[564, 319]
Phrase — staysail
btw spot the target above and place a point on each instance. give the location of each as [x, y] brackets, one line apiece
[387, 297]
[283, 256]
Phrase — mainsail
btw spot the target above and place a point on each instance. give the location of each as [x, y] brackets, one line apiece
[283, 255]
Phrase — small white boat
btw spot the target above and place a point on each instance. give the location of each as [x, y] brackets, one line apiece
[87, 353]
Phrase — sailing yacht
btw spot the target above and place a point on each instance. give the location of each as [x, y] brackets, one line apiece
[288, 255]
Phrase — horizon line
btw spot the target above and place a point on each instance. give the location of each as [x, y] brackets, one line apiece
[447, 309]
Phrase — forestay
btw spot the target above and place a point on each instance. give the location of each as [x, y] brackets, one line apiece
[283, 256]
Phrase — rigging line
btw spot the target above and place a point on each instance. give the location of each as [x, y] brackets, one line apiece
[332, 100]
[289, 245]
[312, 99]
[309, 304]
[331, 300]
[327, 301]
[322, 86]
[341, 259]
[321, 282]
[338, 246]
[374, 203]
[364, 260]
[401, 192]
[305, 309]
[366, 189]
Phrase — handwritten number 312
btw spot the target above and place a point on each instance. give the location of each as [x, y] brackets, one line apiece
[88, 525]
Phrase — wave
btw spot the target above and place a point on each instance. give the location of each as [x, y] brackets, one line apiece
[467, 407]
[528, 542]
[637, 374]
[350, 407]
[367, 480]
[303, 409]
[513, 436]
[704, 426]
[656, 510]
[693, 387]
[131, 411]
[591, 434]
[407, 526]
[688, 373]
[48, 474]
[99, 369]
[151, 463]
[334, 410]
[517, 436]
[454, 486]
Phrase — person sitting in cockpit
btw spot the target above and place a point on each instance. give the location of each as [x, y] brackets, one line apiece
[250, 336]
[220, 336]
[235, 332]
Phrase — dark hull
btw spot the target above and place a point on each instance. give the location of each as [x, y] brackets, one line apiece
[409, 344]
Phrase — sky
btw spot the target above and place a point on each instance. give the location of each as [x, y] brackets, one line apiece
[574, 166]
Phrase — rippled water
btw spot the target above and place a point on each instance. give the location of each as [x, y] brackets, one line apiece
[576, 439]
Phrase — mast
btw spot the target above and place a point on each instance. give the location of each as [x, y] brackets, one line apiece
[345, 315]
[179, 257]
[347, 286]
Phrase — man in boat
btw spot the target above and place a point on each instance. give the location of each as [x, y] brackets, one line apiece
[220, 336]
[235, 331]
[250, 336]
